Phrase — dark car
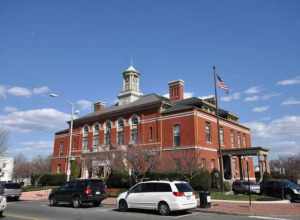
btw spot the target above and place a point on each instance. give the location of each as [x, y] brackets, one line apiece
[12, 191]
[242, 186]
[284, 189]
[79, 192]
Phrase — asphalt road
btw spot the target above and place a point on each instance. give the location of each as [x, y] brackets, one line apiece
[41, 211]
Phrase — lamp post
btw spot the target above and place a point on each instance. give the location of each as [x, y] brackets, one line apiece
[53, 95]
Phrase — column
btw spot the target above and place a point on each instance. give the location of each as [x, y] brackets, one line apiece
[241, 168]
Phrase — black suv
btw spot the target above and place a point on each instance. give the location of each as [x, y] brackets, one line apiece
[78, 192]
[284, 189]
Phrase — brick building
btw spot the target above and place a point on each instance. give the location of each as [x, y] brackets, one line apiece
[173, 124]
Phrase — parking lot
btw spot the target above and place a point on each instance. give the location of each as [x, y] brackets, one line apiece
[39, 210]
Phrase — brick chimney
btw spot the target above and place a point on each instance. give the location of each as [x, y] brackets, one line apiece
[99, 106]
[176, 90]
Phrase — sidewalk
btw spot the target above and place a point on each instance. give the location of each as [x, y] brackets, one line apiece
[257, 209]
[276, 208]
[35, 195]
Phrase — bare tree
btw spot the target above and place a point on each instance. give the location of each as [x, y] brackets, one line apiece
[22, 167]
[141, 160]
[3, 140]
[286, 167]
[186, 162]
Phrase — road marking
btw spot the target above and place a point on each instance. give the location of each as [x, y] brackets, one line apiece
[267, 218]
[183, 216]
[22, 217]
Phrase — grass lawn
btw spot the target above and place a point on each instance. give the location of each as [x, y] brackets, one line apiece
[241, 197]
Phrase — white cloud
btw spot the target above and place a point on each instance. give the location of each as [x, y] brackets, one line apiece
[251, 98]
[84, 104]
[41, 90]
[291, 101]
[19, 91]
[260, 97]
[260, 109]
[186, 95]
[46, 119]
[253, 90]
[10, 109]
[287, 82]
[3, 91]
[36, 145]
[281, 135]
[232, 97]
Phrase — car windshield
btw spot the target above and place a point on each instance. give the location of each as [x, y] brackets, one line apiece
[291, 184]
[184, 187]
[12, 186]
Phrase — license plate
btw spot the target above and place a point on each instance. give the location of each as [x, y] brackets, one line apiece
[98, 193]
[188, 197]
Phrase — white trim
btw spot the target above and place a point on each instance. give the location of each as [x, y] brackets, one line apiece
[189, 148]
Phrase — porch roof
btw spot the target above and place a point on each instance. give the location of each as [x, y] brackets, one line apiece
[251, 151]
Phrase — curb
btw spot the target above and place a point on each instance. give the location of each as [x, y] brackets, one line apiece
[253, 202]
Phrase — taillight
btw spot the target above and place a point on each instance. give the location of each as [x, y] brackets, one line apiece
[178, 194]
[88, 191]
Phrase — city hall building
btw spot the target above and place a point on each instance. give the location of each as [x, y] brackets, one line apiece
[174, 124]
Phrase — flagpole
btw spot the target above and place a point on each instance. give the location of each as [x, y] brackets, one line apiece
[218, 128]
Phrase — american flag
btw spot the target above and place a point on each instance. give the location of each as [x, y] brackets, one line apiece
[221, 84]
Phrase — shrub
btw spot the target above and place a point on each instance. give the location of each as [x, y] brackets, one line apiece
[118, 180]
[201, 181]
[216, 179]
[227, 186]
[52, 179]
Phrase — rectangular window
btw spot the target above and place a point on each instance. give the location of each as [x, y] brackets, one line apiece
[134, 136]
[58, 169]
[203, 163]
[95, 141]
[208, 132]
[150, 134]
[107, 138]
[120, 137]
[61, 149]
[239, 141]
[244, 141]
[85, 143]
[176, 135]
[222, 136]
[232, 138]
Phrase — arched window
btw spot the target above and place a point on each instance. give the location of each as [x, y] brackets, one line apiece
[134, 129]
[85, 134]
[120, 127]
[107, 133]
[96, 129]
[176, 135]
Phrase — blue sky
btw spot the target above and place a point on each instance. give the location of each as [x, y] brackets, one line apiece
[80, 48]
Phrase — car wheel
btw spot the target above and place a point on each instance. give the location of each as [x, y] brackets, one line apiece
[123, 207]
[163, 209]
[52, 201]
[76, 202]
[288, 196]
[97, 203]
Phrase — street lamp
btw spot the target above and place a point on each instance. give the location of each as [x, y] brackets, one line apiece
[73, 112]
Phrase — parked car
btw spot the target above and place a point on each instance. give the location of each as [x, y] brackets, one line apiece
[163, 196]
[12, 191]
[3, 204]
[242, 186]
[281, 188]
[79, 192]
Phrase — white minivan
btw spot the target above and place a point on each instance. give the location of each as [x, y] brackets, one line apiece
[164, 196]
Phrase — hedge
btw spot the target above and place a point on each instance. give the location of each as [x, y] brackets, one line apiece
[52, 179]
